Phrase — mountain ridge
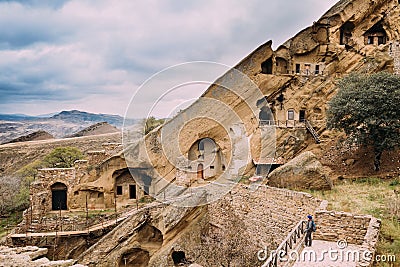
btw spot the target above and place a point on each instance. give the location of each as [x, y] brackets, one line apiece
[60, 125]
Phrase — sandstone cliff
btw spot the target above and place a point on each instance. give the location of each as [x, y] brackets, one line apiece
[256, 112]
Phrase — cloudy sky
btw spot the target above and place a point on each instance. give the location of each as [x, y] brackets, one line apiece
[93, 55]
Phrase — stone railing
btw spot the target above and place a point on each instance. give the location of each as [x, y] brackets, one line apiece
[290, 242]
[282, 123]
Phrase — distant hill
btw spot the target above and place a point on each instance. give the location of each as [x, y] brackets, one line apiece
[16, 155]
[16, 117]
[95, 129]
[35, 136]
[81, 116]
[59, 125]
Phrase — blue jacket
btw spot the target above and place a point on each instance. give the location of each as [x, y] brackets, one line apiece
[311, 227]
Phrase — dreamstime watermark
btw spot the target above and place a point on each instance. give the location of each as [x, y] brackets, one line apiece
[341, 253]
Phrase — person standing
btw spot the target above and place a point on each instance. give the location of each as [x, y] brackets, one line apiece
[310, 227]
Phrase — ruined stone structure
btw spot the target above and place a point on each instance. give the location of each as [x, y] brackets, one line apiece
[151, 238]
[271, 107]
[88, 185]
[268, 109]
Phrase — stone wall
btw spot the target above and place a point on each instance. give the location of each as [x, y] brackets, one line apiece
[361, 230]
[40, 190]
[234, 227]
[370, 241]
[334, 226]
[394, 52]
[268, 213]
[97, 156]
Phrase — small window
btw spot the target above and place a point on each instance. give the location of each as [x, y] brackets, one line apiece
[132, 191]
[298, 68]
[119, 190]
[370, 39]
[290, 114]
[316, 69]
[381, 40]
[223, 167]
[307, 68]
[201, 145]
[212, 167]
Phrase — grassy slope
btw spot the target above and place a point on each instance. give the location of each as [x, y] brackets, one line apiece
[371, 196]
[17, 155]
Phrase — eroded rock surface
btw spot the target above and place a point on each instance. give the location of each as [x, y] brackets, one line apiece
[302, 172]
[30, 256]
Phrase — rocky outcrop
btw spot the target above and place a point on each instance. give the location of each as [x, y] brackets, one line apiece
[215, 234]
[302, 172]
[30, 256]
[297, 80]
[35, 136]
[95, 129]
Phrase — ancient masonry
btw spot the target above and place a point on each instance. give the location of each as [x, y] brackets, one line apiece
[252, 131]
[394, 52]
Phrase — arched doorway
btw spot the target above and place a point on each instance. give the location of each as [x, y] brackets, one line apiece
[179, 258]
[135, 257]
[58, 196]
[266, 66]
[346, 32]
[200, 171]
[206, 159]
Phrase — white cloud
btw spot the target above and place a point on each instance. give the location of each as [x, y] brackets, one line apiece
[92, 55]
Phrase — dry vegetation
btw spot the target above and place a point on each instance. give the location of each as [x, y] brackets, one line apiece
[374, 196]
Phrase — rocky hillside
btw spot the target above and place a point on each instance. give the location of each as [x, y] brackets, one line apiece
[35, 136]
[16, 155]
[294, 84]
[76, 116]
[65, 123]
[95, 129]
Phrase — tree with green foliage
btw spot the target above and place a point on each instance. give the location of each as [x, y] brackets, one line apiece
[367, 109]
[14, 190]
[152, 123]
[62, 157]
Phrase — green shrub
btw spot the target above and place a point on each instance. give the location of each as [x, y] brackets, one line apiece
[62, 157]
[152, 123]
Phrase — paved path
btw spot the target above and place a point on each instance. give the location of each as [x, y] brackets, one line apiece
[328, 254]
